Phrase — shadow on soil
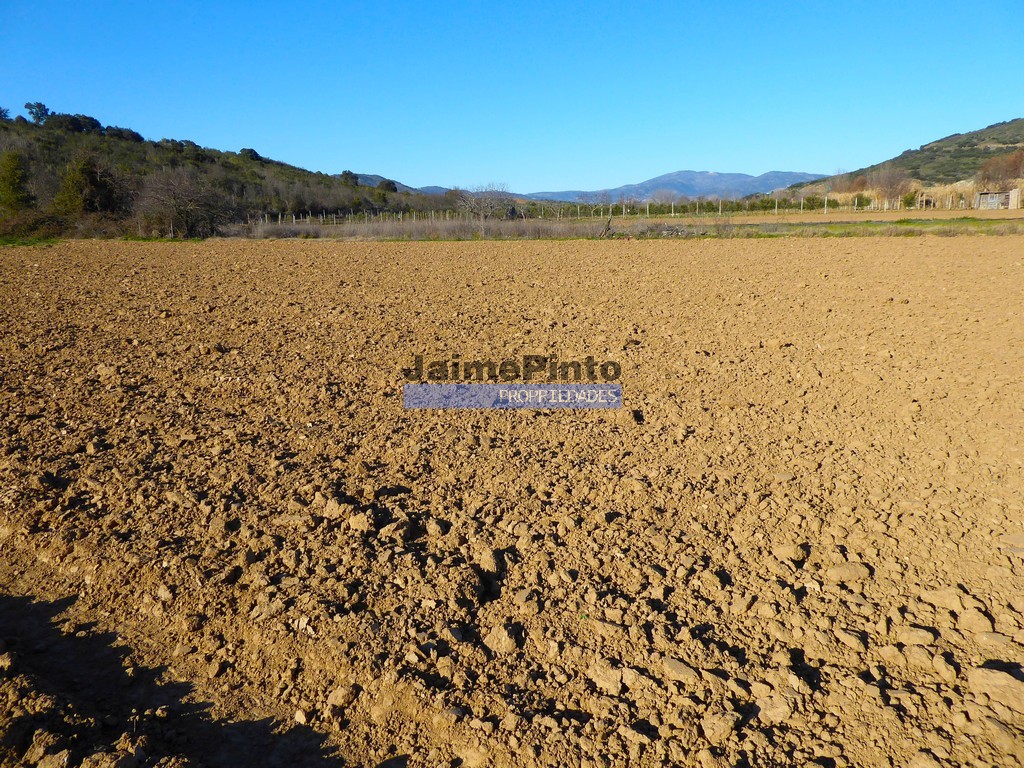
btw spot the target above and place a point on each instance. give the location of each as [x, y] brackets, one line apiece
[80, 697]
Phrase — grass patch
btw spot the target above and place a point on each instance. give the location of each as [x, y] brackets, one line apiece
[22, 240]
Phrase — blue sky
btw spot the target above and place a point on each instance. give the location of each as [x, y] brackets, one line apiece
[535, 96]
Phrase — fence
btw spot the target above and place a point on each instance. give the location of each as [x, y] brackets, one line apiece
[554, 211]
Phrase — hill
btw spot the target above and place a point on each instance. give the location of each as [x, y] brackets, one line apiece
[73, 169]
[960, 156]
[954, 158]
[687, 183]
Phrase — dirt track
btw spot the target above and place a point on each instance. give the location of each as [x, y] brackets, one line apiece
[801, 540]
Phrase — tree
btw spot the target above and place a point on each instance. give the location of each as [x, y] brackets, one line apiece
[663, 198]
[849, 183]
[349, 179]
[486, 202]
[86, 187]
[123, 133]
[181, 202]
[37, 111]
[387, 185]
[73, 123]
[250, 154]
[14, 194]
[890, 182]
[5, 114]
[997, 174]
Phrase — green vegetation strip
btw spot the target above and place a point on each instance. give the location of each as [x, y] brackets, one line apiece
[20, 241]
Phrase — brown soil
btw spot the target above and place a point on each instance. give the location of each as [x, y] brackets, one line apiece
[224, 542]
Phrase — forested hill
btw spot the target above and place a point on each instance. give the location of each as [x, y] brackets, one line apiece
[74, 168]
[988, 155]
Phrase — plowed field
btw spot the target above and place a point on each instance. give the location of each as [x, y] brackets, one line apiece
[224, 542]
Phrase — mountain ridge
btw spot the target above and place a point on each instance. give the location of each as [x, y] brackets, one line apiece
[686, 183]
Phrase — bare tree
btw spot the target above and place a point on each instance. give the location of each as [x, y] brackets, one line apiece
[890, 182]
[668, 200]
[181, 203]
[662, 197]
[487, 202]
[627, 204]
[1000, 173]
[846, 182]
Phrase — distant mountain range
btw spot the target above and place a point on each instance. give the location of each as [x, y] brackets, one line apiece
[689, 183]
[953, 158]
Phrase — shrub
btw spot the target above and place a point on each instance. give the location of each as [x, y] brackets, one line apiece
[14, 194]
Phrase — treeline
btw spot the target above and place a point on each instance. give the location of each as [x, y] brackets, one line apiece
[68, 174]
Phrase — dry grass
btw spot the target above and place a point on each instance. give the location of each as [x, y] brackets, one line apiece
[423, 229]
[720, 227]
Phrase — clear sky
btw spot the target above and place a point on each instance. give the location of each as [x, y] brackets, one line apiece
[535, 96]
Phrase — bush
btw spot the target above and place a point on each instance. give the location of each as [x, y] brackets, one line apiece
[74, 123]
[123, 133]
[86, 187]
[181, 203]
[31, 225]
[14, 194]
